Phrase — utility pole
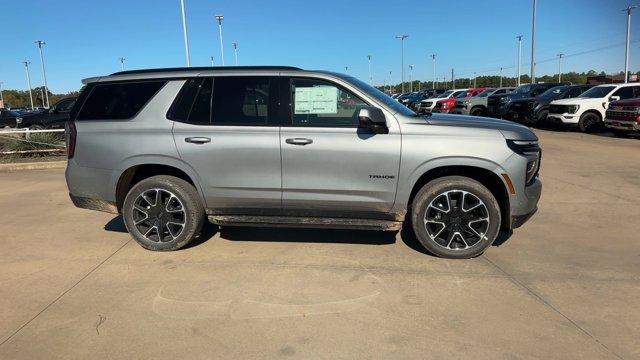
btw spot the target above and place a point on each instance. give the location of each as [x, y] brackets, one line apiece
[185, 34]
[500, 77]
[560, 67]
[402, 37]
[370, 75]
[410, 78]
[235, 52]
[433, 56]
[44, 73]
[219, 18]
[626, 49]
[519, 37]
[122, 63]
[453, 80]
[26, 69]
[533, 44]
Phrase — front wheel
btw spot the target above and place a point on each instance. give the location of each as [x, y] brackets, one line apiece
[163, 213]
[589, 122]
[455, 217]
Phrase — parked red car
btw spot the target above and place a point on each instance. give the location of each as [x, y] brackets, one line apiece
[446, 105]
[623, 116]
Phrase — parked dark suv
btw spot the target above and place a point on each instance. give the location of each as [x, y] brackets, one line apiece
[8, 118]
[498, 105]
[53, 118]
[532, 110]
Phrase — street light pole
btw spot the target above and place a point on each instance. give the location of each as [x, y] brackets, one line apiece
[474, 79]
[453, 80]
[390, 82]
[533, 44]
[122, 63]
[185, 34]
[220, 18]
[44, 73]
[235, 52]
[410, 78]
[370, 75]
[1, 96]
[402, 37]
[211, 60]
[346, 69]
[433, 57]
[560, 67]
[500, 77]
[519, 37]
[26, 69]
[626, 49]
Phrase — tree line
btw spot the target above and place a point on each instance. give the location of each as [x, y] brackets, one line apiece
[20, 98]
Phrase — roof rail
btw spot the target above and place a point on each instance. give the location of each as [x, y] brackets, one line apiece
[203, 68]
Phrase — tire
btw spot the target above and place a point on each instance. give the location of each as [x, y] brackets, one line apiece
[175, 195]
[458, 235]
[589, 122]
[476, 111]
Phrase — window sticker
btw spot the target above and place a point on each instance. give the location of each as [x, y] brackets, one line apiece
[316, 100]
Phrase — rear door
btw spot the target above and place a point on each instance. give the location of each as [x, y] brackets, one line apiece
[224, 130]
[330, 167]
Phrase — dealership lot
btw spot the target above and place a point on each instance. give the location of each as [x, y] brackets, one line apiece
[73, 284]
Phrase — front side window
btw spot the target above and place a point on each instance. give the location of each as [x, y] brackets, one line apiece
[118, 101]
[241, 100]
[320, 103]
[624, 93]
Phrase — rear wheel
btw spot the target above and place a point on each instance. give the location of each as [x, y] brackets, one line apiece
[477, 111]
[589, 122]
[455, 217]
[163, 213]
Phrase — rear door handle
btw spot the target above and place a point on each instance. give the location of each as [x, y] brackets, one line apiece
[299, 141]
[197, 140]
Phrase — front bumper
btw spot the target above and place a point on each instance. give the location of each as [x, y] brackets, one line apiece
[519, 220]
[564, 118]
[628, 125]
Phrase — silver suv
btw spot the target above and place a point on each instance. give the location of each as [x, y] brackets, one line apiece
[280, 146]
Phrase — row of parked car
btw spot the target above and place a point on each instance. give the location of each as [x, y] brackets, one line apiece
[51, 118]
[590, 108]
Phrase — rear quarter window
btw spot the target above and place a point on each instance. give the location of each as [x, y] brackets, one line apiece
[117, 101]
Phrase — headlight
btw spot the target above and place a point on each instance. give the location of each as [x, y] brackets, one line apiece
[531, 150]
[572, 109]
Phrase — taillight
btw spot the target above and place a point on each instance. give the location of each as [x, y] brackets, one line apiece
[638, 119]
[71, 134]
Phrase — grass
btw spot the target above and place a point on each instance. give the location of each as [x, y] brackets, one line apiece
[38, 141]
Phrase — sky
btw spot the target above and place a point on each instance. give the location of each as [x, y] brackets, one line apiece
[86, 38]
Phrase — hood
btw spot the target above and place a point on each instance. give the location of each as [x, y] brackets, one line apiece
[509, 129]
[578, 100]
[627, 102]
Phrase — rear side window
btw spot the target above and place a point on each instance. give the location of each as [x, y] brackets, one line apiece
[193, 103]
[118, 101]
[241, 100]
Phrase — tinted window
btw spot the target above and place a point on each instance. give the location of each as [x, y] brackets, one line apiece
[241, 100]
[181, 106]
[65, 106]
[118, 101]
[320, 103]
[201, 109]
[574, 92]
[624, 93]
[597, 92]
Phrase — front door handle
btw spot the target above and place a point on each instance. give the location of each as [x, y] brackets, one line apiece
[197, 140]
[299, 141]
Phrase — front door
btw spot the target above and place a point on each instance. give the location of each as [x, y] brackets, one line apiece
[330, 166]
[223, 131]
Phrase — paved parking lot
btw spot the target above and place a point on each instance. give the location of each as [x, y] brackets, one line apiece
[72, 284]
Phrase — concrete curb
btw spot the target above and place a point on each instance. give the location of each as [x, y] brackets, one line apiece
[33, 166]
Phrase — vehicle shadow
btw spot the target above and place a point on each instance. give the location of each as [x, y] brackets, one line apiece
[208, 231]
[305, 235]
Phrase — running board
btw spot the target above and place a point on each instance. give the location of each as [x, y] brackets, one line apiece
[306, 222]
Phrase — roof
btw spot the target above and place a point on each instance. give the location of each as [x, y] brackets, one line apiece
[204, 68]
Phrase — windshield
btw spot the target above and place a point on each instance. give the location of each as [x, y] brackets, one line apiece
[523, 89]
[380, 96]
[486, 93]
[553, 91]
[460, 94]
[445, 94]
[597, 92]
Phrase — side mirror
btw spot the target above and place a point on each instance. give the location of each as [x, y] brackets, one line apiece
[614, 98]
[373, 118]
